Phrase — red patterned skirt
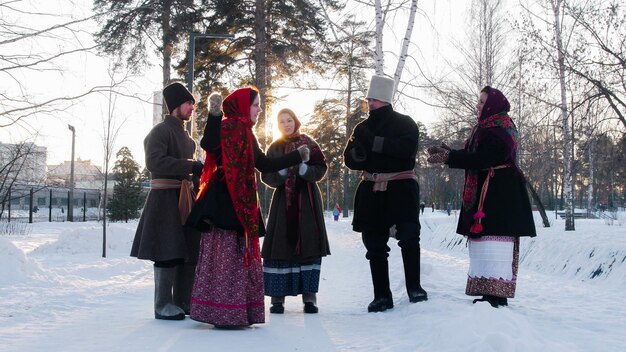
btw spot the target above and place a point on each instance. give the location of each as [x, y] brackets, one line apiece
[225, 292]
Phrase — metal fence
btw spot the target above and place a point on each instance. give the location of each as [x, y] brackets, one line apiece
[31, 204]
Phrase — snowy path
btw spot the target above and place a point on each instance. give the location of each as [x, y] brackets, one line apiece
[73, 300]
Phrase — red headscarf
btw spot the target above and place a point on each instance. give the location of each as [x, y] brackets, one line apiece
[236, 140]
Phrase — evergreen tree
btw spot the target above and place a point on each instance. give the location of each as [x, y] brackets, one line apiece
[127, 199]
[275, 41]
[130, 28]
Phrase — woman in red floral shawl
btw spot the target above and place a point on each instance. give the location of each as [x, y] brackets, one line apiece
[228, 287]
[495, 210]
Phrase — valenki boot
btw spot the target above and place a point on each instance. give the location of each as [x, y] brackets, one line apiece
[310, 300]
[278, 306]
[163, 303]
[380, 278]
[183, 284]
[411, 261]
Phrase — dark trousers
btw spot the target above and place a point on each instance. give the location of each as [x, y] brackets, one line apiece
[377, 253]
[408, 236]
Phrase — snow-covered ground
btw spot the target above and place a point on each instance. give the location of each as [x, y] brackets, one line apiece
[57, 293]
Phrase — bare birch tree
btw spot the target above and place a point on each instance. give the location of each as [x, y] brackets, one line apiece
[557, 6]
[110, 129]
[380, 17]
[34, 43]
[406, 40]
[602, 29]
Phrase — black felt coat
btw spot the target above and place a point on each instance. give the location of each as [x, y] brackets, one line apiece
[378, 211]
[507, 206]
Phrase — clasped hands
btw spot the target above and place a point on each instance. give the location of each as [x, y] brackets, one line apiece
[304, 154]
[438, 155]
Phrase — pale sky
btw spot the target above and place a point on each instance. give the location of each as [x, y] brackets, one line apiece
[87, 70]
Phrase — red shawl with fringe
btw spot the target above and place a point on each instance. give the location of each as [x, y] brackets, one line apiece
[236, 139]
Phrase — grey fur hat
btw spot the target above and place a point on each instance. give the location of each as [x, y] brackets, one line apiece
[381, 88]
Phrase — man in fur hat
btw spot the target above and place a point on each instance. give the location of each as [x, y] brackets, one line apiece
[160, 235]
[384, 147]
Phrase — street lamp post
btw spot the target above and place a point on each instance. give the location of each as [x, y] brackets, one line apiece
[192, 54]
[70, 206]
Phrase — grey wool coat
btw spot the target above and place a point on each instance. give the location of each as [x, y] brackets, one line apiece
[313, 240]
[160, 235]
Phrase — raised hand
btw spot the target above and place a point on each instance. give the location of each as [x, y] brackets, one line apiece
[215, 103]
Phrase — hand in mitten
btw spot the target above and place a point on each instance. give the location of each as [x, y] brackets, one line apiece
[196, 168]
[304, 153]
[438, 149]
[358, 152]
[434, 150]
[439, 156]
[363, 134]
[282, 172]
[215, 104]
[302, 169]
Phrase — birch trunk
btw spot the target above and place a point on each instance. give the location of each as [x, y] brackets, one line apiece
[590, 187]
[380, 60]
[567, 143]
[260, 50]
[168, 46]
[405, 46]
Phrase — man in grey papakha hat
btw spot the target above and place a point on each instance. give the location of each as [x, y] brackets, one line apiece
[384, 147]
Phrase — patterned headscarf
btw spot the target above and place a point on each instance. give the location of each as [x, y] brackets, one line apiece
[236, 139]
[493, 115]
[496, 103]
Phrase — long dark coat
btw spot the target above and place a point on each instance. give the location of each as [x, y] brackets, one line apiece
[216, 206]
[507, 206]
[312, 229]
[378, 211]
[160, 235]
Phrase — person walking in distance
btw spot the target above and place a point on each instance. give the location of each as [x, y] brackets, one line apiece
[384, 147]
[336, 212]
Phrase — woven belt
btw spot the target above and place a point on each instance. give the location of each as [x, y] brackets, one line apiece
[185, 199]
[381, 179]
[477, 227]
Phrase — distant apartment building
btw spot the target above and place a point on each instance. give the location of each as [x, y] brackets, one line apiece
[86, 175]
[23, 162]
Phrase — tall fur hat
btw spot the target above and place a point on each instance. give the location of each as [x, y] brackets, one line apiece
[381, 88]
[175, 95]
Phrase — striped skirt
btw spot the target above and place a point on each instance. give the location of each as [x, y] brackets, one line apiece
[493, 268]
[225, 292]
[283, 278]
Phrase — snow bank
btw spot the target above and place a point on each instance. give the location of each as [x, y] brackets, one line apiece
[15, 266]
[595, 251]
[87, 239]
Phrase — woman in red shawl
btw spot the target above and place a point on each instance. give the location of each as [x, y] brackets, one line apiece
[228, 288]
[495, 209]
[296, 237]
